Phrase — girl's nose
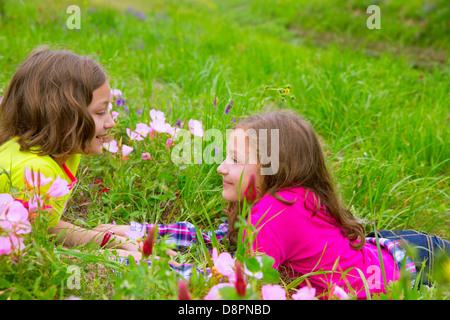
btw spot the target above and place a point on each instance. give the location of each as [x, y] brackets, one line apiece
[109, 122]
[221, 169]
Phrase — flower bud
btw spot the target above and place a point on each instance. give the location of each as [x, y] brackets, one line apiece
[147, 247]
[183, 292]
[240, 282]
[106, 239]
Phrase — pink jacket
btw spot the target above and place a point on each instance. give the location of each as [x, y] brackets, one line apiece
[301, 244]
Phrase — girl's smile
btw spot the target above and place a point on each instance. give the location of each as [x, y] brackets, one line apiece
[101, 137]
[102, 118]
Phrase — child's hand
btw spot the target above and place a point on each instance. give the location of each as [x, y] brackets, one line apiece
[137, 246]
[125, 253]
[119, 230]
[138, 256]
[129, 245]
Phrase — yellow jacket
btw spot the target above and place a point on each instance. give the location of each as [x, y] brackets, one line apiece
[12, 179]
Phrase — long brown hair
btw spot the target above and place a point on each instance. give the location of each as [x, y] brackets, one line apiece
[301, 163]
[45, 103]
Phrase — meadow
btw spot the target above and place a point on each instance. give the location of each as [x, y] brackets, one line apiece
[378, 98]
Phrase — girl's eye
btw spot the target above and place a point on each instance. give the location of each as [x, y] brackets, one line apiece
[233, 159]
[101, 113]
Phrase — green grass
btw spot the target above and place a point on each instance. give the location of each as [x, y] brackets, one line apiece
[382, 118]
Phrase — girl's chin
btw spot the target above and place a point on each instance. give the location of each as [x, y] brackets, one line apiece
[96, 146]
[95, 150]
[229, 196]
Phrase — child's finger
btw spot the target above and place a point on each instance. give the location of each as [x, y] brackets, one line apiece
[103, 227]
[173, 262]
[120, 230]
[172, 253]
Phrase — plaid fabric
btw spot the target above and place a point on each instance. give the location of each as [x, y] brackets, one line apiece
[399, 255]
[182, 235]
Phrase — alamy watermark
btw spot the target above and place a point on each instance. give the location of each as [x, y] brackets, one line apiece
[374, 21]
[260, 147]
[74, 20]
[74, 280]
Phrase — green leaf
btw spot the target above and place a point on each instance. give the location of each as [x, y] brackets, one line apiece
[267, 261]
[229, 293]
[4, 283]
[253, 265]
[271, 275]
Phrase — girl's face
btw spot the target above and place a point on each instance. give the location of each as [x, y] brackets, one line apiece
[241, 160]
[102, 118]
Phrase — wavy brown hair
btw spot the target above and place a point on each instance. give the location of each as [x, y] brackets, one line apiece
[45, 103]
[301, 163]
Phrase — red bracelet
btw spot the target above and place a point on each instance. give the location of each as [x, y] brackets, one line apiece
[106, 239]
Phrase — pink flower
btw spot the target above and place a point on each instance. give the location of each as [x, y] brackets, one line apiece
[168, 143]
[17, 242]
[35, 179]
[146, 156]
[224, 263]
[195, 127]
[134, 135]
[160, 126]
[142, 129]
[5, 199]
[111, 146]
[13, 216]
[18, 216]
[59, 188]
[157, 115]
[305, 293]
[114, 114]
[273, 292]
[13, 222]
[214, 293]
[35, 203]
[337, 292]
[172, 131]
[5, 246]
[116, 93]
[14, 211]
[126, 150]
